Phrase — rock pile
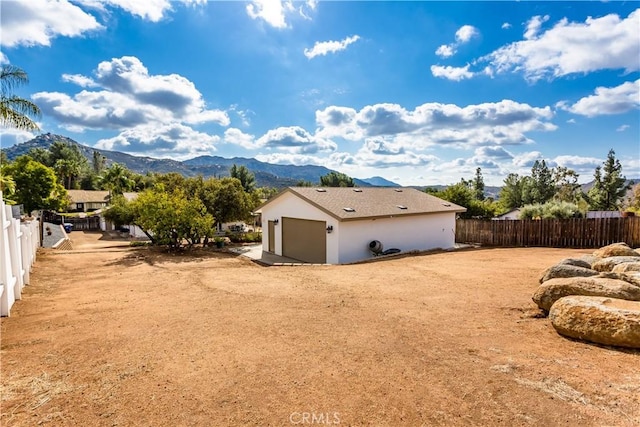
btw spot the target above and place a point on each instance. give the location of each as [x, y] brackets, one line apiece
[596, 297]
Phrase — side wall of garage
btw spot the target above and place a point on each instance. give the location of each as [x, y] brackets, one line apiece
[419, 232]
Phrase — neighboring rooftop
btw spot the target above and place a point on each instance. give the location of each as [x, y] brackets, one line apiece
[94, 196]
[345, 203]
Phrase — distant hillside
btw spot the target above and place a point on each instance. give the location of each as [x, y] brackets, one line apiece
[378, 181]
[267, 174]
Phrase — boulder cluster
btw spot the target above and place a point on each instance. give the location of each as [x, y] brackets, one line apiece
[596, 297]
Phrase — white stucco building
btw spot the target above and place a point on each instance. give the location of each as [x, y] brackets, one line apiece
[336, 225]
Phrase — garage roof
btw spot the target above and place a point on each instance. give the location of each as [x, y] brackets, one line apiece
[351, 203]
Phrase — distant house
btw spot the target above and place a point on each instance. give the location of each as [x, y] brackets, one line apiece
[604, 214]
[512, 214]
[338, 225]
[91, 200]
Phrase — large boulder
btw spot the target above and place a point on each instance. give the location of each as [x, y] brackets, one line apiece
[600, 320]
[615, 249]
[566, 270]
[554, 289]
[632, 277]
[590, 259]
[627, 267]
[578, 262]
[607, 264]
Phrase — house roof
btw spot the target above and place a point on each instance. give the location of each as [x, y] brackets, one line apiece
[353, 203]
[512, 212]
[94, 196]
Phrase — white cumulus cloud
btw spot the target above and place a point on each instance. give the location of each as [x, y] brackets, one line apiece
[431, 124]
[323, 48]
[36, 22]
[463, 35]
[294, 139]
[237, 137]
[607, 42]
[466, 33]
[451, 73]
[173, 140]
[150, 111]
[276, 12]
[608, 101]
[151, 10]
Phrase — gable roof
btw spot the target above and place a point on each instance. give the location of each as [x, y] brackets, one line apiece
[94, 196]
[352, 203]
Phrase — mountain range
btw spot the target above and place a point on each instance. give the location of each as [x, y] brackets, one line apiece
[267, 174]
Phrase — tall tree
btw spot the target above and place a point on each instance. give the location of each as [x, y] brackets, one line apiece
[247, 179]
[511, 192]
[478, 185]
[539, 187]
[116, 180]
[98, 162]
[566, 184]
[336, 179]
[16, 112]
[67, 170]
[609, 185]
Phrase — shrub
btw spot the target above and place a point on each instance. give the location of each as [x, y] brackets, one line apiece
[550, 210]
[251, 237]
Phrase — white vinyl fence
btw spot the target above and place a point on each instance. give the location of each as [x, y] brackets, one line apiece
[19, 242]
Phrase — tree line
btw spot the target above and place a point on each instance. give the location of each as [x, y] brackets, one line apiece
[546, 192]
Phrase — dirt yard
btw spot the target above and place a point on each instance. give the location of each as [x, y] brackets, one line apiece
[114, 336]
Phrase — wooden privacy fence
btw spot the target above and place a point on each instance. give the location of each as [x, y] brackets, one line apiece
[19, 242]
[557, 233]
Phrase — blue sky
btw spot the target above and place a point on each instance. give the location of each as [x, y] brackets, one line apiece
[417, 92]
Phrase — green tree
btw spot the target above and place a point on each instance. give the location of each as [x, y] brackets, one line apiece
[36, 185]
[41, 155]
[227, 201]
[119, 211]
[171, 181]
[336, 179]
[511, 192]
[170, 218]
[7, 184]
[609, 186]
[16, 112]
[566, 185]
[67, 170]
[116, 180]
[463, 195]
[633, 202]
[539, 187]
[266, 193]
[98, 162]
[247, 179]
[478, 185]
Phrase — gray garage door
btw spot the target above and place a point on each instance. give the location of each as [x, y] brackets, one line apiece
[304, 240]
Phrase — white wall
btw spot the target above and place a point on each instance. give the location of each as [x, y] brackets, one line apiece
[416, 232]
[349, 241]
[288, 205]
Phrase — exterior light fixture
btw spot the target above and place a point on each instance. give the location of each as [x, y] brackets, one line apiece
[329, 229]
[276, 221]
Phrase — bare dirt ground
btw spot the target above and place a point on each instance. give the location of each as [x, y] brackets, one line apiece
[120, 336]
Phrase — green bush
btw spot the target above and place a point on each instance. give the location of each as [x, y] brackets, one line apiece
[251, 237]
[550, 210]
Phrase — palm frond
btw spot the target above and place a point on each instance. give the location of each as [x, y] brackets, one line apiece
[12, 77]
